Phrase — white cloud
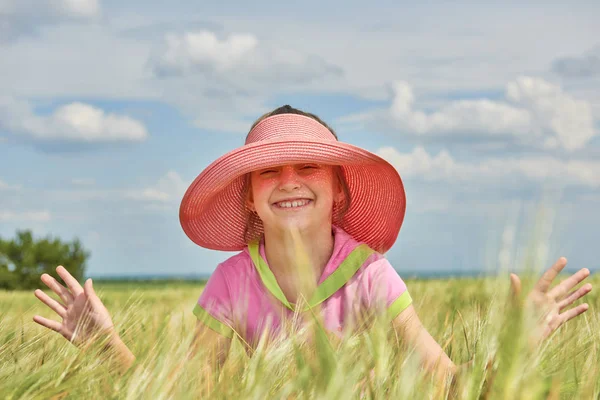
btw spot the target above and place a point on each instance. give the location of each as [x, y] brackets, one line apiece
[169, 189]
[472, 52]
[565, 122]
[463, 116]
[207, 76]
[196, 49]
[25, 216]
[534, 113]
[74, 122]
[236, 58]
[444, 168]
[22, 17]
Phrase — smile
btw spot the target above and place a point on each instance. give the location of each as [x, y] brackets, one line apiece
[293, 204]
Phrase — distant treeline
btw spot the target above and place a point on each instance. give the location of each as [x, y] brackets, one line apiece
[24, 259]
[132, 283]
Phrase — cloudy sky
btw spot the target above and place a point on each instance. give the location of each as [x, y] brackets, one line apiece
[490, 113]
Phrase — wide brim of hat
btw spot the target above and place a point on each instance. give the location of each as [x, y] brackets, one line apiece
[213, 213]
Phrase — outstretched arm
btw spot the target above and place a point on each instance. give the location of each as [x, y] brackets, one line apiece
[84, 318]
[547, 309]
[410, 329]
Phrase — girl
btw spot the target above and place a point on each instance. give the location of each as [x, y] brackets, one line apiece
[311, 217]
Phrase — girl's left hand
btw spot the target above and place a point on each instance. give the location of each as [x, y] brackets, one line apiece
[548, 304]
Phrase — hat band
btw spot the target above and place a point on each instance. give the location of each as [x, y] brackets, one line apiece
[285, 125]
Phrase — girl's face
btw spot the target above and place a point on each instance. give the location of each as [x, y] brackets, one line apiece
[300, 195]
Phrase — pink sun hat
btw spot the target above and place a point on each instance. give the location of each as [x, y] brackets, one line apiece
[213, 211]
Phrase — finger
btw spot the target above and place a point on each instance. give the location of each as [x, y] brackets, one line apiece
[565, 286]
[573, 312]
[91, 294]
[48, 323]
[574, 296]
[58, 308]
[71, 282]
[515, 284]
[546, 279]
[57, 288]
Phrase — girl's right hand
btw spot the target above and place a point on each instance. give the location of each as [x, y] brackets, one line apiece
[83, 314]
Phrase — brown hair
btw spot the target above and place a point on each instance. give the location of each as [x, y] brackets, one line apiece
[253, 222]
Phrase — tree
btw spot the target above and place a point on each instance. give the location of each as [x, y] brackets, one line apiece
[23, 260]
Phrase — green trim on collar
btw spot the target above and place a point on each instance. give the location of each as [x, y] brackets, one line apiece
[326, 289]
[212, 322]
[266, 275]
[342, 274]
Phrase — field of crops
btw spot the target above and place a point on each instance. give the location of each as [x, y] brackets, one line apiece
[470, 318]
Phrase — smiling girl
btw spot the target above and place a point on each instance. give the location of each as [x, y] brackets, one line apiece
[311, 218]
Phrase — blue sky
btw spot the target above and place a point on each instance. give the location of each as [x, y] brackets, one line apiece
[490, 113]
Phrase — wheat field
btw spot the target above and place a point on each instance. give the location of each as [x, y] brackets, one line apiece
[470, 318]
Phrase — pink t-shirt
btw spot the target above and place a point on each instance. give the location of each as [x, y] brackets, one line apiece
[242, 296]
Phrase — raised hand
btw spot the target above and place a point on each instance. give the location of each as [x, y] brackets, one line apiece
[549, 306]
[83, 314]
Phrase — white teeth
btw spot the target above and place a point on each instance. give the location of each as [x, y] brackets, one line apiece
[290, 204]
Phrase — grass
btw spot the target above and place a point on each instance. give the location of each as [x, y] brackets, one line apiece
[470, 318]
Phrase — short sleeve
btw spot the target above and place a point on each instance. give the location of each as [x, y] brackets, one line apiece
[386, 290]
[214, 308]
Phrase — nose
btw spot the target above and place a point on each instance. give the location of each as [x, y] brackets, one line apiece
[289, 179]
